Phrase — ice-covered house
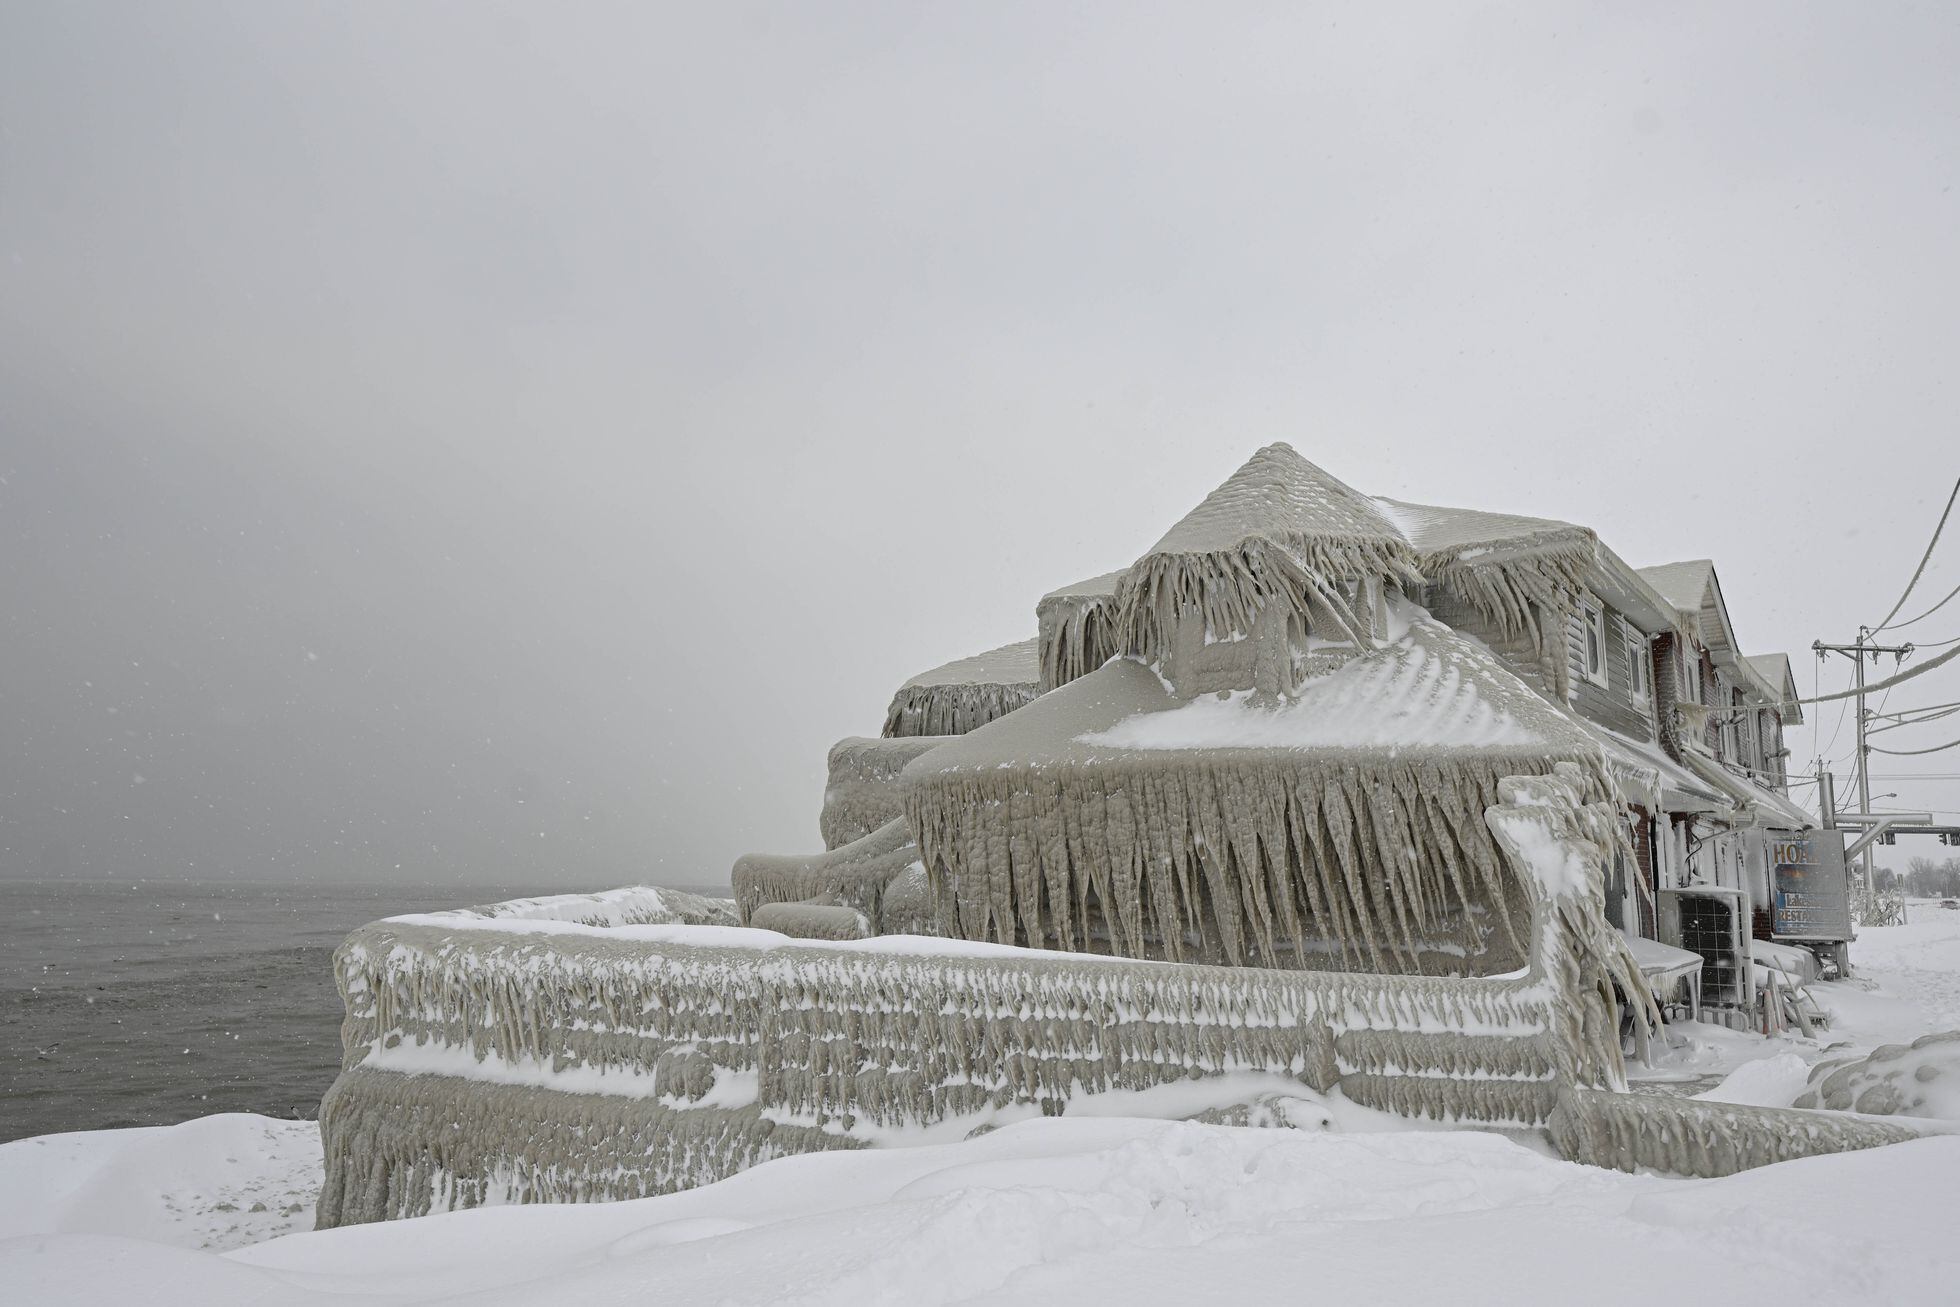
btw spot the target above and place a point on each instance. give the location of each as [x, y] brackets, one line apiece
[1322, 795]
[1643, 664]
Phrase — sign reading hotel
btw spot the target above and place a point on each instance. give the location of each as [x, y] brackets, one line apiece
[1809, 897]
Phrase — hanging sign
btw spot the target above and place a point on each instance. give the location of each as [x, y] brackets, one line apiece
[1809, 894]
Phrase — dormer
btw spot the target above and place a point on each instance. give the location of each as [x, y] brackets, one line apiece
[1281, 565]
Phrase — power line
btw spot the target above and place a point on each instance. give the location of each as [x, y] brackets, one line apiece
[1917, 572]
[1930, 611]
[1946, 710]
[1924, 707]
[1886, 684]
[1836, 730]
[1907, 753]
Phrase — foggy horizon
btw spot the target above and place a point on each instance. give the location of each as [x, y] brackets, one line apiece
[468, 444]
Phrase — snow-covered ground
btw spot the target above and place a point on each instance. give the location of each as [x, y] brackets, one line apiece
[1078, 1210]
[1907, 984]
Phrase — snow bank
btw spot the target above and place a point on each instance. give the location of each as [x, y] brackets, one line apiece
[217, 1182]
[1773, 1081]
[1073, 1211]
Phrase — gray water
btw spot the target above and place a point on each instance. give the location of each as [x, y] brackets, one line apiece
[154, 1002]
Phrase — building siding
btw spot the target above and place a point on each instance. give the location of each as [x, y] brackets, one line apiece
[1518, 653]
[1611, 705]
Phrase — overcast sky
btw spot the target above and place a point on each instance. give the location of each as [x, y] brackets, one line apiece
[512, 444]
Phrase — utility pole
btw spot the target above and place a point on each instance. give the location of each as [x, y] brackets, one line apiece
[1856, 653]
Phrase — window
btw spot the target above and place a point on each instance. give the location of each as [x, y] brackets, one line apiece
[1640, 668]
[1594, 649]
[1688, 674]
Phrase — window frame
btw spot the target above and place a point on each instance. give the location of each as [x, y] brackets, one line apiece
[1640, 665]
[1592, 636]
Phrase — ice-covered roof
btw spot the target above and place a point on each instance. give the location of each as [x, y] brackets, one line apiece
[1096, 587]
[1422, 691]
[1279, 495]
[956, 697]
[1649, 777]
[1696, 593]
[1279, 530]
[1684, 584]
[1011, 664]
[1213, 829]
[1435, 530]
[1775, 670]
[1076, 629]
[1430, 690]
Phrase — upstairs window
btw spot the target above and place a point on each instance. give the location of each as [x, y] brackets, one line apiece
[1594, 650]
[1640, 667]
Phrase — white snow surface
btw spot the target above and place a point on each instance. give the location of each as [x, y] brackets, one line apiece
[1403, 695]
[1907, 984]
[752, 937]
[1085, 1208]
[1114, 1210]
[217, 1182]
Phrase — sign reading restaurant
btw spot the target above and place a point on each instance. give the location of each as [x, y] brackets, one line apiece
[1809, 895]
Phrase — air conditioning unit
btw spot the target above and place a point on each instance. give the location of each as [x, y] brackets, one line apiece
[1714, 922]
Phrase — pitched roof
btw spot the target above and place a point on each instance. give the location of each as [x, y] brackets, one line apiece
[1011, 664]
[1685, 584]
[1696, 592]
[1279, 530]
[956, 697]
[1435, 530]
[1424, 690]
[1278, 495]
[1775, 669]
[1096, 587]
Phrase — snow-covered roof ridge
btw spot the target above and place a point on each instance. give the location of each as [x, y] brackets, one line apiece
[1103, 585]
[1775, 669]
[1434, 530]
[1277, 494]
[1522, 573]
[1009, 664]
[1683, 584]
[955, 697]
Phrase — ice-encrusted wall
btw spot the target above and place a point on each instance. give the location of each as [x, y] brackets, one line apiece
[1686, 1136]
[561, 1053]
[716, 1048]
[861, 792]
[492, 1057]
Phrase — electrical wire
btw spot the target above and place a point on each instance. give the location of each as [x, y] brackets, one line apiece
[1924, 707]
[1908, 753]
[1836, 730]
[1886, 684]
[1929, 612]
[1916, 721]
[1924, 558]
